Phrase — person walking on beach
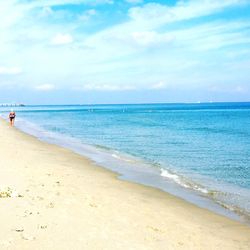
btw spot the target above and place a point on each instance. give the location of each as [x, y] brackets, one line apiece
[12, 117]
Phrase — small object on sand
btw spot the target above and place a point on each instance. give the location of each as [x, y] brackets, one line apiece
[19, 230]
[5, 193]
[9, 193]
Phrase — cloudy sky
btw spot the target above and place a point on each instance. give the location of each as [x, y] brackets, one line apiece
[124, 51]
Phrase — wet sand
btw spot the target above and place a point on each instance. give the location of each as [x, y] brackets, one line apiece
[52, 198]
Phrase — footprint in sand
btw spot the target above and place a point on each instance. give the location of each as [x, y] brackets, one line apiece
[27, 213]
[42, 226]
[92, 205]
[155, 229]
[58, 183]
[40, 198]
[51, 205]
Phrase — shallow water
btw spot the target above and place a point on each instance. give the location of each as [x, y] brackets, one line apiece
[203, 148]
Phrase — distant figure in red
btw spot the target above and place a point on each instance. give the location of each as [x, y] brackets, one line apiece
[12, 117]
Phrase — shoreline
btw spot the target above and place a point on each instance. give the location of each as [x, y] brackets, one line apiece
[144, 174]
[66, 196]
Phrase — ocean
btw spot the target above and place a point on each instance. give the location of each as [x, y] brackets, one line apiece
[199, 152]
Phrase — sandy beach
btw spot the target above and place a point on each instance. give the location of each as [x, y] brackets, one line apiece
[52, 198]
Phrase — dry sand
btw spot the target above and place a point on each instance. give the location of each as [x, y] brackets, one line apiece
[60, 200]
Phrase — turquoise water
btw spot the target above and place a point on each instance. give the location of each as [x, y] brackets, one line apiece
[200, 147]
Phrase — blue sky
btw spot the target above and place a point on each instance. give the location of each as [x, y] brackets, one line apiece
[124, 51]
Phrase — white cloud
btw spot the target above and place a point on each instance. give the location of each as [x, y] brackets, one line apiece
[46, 11]
[87, 15]
[159, 85]
[62, 39]
[10, 70]
[212, 36]
[145, 20]
[45, 87]
[149, 38]
[155, 15]
[141, 49]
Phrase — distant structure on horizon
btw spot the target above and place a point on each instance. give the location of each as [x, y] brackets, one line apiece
[12, 105]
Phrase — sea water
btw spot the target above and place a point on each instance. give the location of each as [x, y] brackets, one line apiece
[200, 152]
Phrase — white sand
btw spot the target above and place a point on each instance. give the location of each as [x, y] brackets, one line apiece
[69, 203]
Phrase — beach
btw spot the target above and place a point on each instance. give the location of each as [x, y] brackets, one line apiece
[53, 198]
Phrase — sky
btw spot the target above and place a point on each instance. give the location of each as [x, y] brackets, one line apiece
[124, 51]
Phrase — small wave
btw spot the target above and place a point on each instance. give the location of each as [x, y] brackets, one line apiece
[223, 199]
[242, 212]
[181, 181]
[119, 157]
[174, 177]
[116, 156]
